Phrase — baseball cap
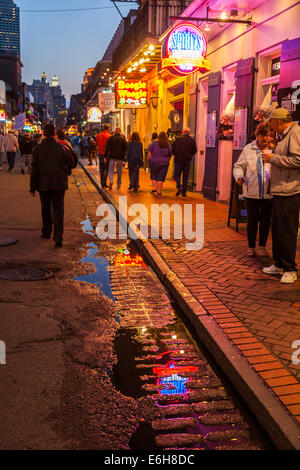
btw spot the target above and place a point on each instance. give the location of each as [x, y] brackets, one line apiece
[280, 113]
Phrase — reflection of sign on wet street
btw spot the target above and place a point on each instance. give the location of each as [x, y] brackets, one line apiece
[124, 258]
[169, 376]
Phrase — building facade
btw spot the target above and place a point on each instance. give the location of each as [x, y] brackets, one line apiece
[9, 27]
[254, 67]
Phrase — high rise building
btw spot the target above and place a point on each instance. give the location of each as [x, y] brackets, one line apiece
[50, 97]
[9, 27]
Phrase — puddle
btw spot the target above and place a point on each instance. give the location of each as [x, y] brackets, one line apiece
[100, 278]
[87, 226]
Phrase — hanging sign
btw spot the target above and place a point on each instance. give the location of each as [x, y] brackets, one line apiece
[94, 115]
[184, 50]
[19, 122]
[131, 94]
[2, 115]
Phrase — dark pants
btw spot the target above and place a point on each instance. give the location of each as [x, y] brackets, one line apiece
[103, 168]
[11, 156]
[259, 212]
[134, 177]
[285, 222]
[52, 203]
[182, 169]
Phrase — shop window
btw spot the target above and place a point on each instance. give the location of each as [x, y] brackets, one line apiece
[227, 103]
[267, 80]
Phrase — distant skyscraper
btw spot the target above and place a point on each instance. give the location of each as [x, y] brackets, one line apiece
[9, 27]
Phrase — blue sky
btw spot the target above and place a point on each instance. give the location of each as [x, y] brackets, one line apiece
[65, 43]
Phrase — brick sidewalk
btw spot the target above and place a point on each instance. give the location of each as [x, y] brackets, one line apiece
[258, 314]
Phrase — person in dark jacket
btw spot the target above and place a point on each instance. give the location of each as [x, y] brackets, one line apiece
[184, 148]
[51, 165]
[115, 151]
[135, 160]
[26, 145]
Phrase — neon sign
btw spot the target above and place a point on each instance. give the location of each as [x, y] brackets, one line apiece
[131, 94]
[2, 116]
[184, 49]
[128, 260]
[94, 115]
[169, 376]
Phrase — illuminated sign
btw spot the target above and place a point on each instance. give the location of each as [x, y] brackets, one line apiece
[123, 259]
[184, 49]
[169, 376]
[131, 94]
[2, 116]
[94, 115]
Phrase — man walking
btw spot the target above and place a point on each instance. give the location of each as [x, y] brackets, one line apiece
[26, 145]
[101, 141]
[11, 147]
[115, 152]
[184, 148]
[50, 167]
[285, 188]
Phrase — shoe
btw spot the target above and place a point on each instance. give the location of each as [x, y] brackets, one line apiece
[178, 192]
[130, 187]
[273, 270]
[289, 277]
[136, 190]
[118, 187]
[45, 236]
[153, 191]
[58, 245]
[22, 171]
[158, 194]
[261, 251]
[251, 252]
[183, 195]
[110, 185]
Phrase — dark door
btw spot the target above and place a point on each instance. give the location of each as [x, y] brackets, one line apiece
[288, 96]
[244, 79]
[211, 155]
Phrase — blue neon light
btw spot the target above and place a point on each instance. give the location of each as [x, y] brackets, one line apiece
[177, 382]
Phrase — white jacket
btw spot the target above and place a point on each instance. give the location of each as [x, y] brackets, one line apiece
[11, 143]
[256, 174]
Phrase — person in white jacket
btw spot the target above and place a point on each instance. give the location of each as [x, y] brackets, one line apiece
[251, 172]
[11, 147]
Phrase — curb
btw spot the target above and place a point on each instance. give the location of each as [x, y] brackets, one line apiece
[281, 427]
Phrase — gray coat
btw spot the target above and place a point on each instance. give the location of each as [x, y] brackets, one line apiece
[285, 174]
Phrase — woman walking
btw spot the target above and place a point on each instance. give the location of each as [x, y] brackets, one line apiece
[254, 175]
[159, 154]
[135, 160]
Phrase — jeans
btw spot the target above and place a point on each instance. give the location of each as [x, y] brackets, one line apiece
[26, 159]
[134, 174]
[52, 203]
[103, 168]
[119, 170]
[285, 222]
[11, 156]
[259, 212]
[182, 169]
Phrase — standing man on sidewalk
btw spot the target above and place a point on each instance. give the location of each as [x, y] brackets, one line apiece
[184, 148]
[50, 167]
[101, 141]
[116, 149]
[26, 145]
[11, 147]
[285, 188]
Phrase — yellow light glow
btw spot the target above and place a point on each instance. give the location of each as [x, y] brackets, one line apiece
[129, 70]
[223, 15]
[151, 47]
[142, 61]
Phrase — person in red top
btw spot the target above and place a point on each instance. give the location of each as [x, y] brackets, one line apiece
[101, 140]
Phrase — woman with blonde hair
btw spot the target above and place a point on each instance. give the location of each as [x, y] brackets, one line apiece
[159, 154]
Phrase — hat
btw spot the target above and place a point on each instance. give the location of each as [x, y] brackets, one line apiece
[280, 113]
[186, 130]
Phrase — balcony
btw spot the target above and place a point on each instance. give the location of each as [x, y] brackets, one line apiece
[152, 20]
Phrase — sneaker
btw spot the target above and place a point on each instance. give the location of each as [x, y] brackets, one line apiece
[251, 252]
[130, 187]
[273, 270]
[289, 277]
[261, 251]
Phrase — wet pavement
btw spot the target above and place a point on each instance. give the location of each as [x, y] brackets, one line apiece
[158, 358]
